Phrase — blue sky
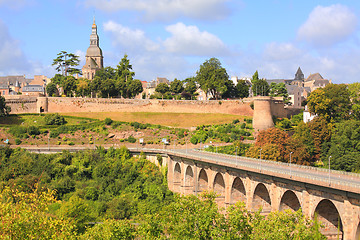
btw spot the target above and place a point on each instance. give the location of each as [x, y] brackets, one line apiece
[171, 38]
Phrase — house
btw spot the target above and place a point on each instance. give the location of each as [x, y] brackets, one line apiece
[294, 92]
[315, 81]
[34, 90]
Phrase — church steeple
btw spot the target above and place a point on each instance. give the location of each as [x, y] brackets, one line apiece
[94, 38]
[299, 75]
[94, 57]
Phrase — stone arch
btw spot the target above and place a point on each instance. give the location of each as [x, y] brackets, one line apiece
[261, 199]
[238, 192]
[189, 180]
[357, 233]
[329, 216]
[219, 184]
[290, 201]
[177, 177]
[203, 181]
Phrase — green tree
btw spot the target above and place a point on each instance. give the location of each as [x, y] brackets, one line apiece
[108, 88]
[52, 90]
[57, 79]
[345, 147]
[95, 85]
[332, 102]
[4, 110]
[279, 90]
[212, 78]
[66, 63]
[83, 87]
[106, 73]
[242, 89]
[162, 88]
[124, 69]
[190, 88]
[259, 86]
[133, 88]
[176, 86]
[69, 84]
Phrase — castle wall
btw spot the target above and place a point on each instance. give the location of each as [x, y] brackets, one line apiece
[25, 104]
[21, 104]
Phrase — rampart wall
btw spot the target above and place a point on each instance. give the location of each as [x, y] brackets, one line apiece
[24, 104]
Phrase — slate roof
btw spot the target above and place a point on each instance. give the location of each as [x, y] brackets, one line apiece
[33, 88]
[13, 79]
[314, 76]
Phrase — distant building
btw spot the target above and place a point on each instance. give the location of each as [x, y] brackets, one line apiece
[315, 81]
[34, 90]
[94, 56]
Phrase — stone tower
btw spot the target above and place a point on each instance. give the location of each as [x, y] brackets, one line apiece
[94, 57]
[299, 78]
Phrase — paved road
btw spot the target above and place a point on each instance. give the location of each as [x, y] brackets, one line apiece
[292, 171]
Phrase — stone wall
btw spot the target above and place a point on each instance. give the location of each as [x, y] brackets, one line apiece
[237, 107]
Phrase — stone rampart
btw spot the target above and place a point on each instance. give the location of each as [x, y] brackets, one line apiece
[24, 104]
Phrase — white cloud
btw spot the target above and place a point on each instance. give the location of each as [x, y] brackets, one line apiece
[328, 25]
[128, 38]
[189, 40]
[167, 9]
[12, 58]
[281, 51]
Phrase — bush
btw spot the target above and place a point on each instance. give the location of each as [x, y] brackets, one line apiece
[235, 121]
[54, 119]
[18, 131]
[108, 121]
[17, 141]
[131, 139]
[33, 130]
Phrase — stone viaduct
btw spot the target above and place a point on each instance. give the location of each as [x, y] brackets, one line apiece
[270, 186]
[333, 196]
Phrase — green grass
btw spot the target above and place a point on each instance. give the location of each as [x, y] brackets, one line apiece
[181, 120]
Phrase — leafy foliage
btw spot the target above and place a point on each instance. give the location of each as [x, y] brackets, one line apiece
[54, 119]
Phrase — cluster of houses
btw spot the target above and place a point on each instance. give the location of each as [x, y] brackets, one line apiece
[20, 85]
[297, 88]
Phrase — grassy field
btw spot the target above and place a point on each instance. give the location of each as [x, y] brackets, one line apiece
[181, 120]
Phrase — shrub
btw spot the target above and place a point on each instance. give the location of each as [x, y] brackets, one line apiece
[54, 119]
[235, 121]
[33, 130]
[18, 131]
[108, 121]
[17, 141]
[71, 143]
[131, 139]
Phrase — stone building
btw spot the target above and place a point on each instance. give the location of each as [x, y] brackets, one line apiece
[94, 56]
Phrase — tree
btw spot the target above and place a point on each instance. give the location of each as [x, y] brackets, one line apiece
[190, 88]
[123, 69]
[133, 88]
[176, 86]
[4, 110]
[162, 88]
[345, 147]
[231, 90]
[259, 86]
[69, 84]
[106, 73]
[66, 63]
[83, 87]
[279, 90]
[95, 85]
[52, 90]
[108, 88]
[332, 102]
[57, 79]
[212, 78]
[242, 89]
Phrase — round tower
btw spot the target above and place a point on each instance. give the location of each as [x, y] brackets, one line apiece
[262, 119]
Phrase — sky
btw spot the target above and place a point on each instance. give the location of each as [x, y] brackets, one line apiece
[172, 38]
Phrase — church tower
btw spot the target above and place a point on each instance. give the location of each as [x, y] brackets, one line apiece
[94, 57]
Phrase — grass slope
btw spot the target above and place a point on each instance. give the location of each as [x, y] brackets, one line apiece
[181, 120]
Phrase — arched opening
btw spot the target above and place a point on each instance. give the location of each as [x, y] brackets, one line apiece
[203, 181]
[289, 201]
[177, 177]
[261, 199]
[329, 217]
[189, 180]
[219, 185]
[238, 192]
[357, 234]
